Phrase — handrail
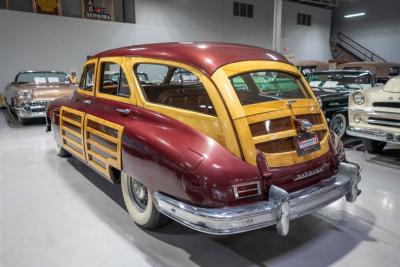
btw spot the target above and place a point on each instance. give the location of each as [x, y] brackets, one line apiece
[357, 49]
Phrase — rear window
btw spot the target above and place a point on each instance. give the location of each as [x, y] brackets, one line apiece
[264, 86]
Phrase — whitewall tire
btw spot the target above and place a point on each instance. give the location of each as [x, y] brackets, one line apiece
[140, 204]
[338, 124]
[58, 148]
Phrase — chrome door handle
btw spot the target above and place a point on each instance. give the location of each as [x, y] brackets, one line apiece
[123, 111]
[86, 101]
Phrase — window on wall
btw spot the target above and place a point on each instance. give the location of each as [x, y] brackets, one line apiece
[303, 19]
[242, 9]
[113, 80]
[174, 87]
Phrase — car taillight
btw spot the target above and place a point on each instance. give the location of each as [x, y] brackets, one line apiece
[246, 190]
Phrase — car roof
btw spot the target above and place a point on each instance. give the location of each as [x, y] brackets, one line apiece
[206, 56]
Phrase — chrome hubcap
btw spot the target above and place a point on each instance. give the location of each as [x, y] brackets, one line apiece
[337, 125]
[138, 193]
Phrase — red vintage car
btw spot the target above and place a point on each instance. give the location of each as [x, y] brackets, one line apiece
[222, 138]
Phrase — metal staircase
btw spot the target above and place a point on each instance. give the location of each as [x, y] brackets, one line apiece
[345, 48]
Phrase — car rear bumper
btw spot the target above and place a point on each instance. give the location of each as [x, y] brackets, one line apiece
[373, 134]
[280, 208]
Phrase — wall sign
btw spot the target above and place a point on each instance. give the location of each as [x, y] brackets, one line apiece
[97, 9]
[49, 7]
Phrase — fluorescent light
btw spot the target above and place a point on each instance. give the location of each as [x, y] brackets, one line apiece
[354, 15]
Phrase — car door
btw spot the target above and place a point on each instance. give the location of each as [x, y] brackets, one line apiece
[110, 110]
[71, 118]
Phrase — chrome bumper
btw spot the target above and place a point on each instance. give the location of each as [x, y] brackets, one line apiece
[278, 210]
[373, 134]
[34, 109]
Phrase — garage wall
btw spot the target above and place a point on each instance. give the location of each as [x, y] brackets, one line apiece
[378, 30]
[306, 42]
[34, 41]
[205, 20]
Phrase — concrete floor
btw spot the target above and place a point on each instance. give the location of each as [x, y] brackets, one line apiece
[57, 212]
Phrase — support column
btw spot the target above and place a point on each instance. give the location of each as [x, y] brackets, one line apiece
[277, 27]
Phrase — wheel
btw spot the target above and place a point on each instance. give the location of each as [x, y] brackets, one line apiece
[59, 149]
[373, 146]
[21, 121]
[338, 124]
[140, 205]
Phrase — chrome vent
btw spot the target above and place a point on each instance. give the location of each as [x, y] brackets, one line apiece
[244, 190]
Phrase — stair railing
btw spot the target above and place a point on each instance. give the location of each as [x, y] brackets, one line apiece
[356, 49]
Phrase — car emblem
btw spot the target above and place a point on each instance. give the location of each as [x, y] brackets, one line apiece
[306, 174]
[305, 125]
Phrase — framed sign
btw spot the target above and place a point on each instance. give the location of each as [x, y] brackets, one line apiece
[49, 7]
[3, 4]
[97, 9]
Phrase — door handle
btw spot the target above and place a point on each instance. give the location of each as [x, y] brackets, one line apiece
[86, 101]
[124, 111]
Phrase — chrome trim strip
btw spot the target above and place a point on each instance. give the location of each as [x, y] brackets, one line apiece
[377, 135]
[379, 122]
[279, 209]
[372, 112]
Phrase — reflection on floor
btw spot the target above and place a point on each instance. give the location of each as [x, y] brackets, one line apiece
[57, 212]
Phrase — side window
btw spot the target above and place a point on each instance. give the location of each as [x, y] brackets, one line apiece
[175, 87]
[87, 78]
[239, 84]
[113, 80]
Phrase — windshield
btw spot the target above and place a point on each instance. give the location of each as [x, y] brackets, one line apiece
[41, 78]
[340, 80]
[263, 86]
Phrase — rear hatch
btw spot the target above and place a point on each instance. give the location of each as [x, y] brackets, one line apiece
[275, 106]
[273, 130]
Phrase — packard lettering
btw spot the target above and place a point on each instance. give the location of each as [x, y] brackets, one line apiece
[309, 173]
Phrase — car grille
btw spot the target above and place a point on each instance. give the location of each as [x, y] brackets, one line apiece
[387, 104]
[384, 122]
[38, 106]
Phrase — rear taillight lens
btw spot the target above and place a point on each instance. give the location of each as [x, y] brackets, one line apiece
[244, 190]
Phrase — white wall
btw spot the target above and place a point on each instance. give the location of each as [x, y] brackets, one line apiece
[305, 42]
[40, 42]
[378, 30]
[205, 20]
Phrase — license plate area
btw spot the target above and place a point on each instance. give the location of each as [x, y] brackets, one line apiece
[306, 143]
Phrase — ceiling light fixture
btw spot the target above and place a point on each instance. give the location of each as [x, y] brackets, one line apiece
[354, 15]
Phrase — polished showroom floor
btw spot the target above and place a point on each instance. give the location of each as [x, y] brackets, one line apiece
[57, 212]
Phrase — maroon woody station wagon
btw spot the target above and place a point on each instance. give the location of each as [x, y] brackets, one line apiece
[222, 138]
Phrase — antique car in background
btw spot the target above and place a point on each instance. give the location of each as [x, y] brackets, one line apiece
[382, 71]
[222, 138]
[333, 88]
[308, 66]
[30, 92]
[374, 115]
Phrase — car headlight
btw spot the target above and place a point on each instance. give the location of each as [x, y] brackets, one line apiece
[358, 98]
[24, 94]
[321, 104]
